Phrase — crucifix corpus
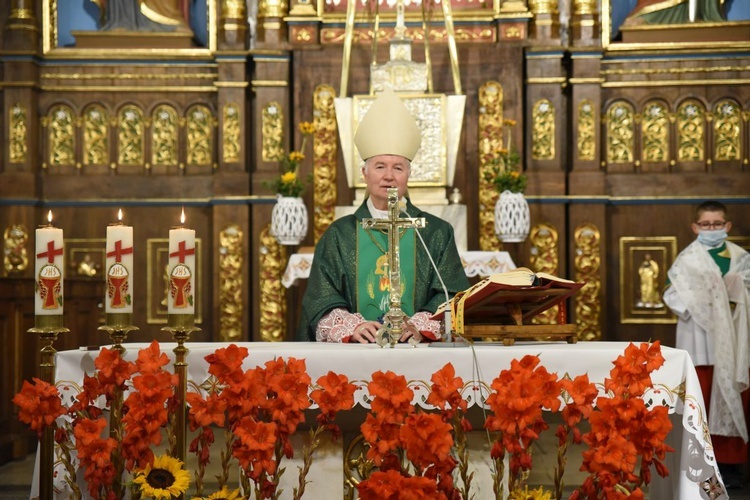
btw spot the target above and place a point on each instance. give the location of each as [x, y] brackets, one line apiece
[393, 321]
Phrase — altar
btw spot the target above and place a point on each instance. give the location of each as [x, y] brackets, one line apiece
[692, 467]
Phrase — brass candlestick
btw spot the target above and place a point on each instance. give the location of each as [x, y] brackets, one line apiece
[48, 328]
[117, 327]
[181, 326]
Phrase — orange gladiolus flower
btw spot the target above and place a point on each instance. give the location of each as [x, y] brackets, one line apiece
[427, 439]
[255, 447]
[392, 396]
[38, 405]
[112, 370]
[205, 412]
[86, 430]
[154, 386]
[226, 363]
[151, 359]
[445, 389]
[382, 436]
[336, 393]
[381, 486]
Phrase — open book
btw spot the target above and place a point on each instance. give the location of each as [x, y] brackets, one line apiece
[511, 298]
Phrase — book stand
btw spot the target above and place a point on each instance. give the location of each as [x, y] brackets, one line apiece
[505, 313]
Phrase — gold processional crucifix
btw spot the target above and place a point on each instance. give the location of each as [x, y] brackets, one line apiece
[393, 321]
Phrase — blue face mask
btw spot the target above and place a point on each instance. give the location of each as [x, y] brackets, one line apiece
[712, 238]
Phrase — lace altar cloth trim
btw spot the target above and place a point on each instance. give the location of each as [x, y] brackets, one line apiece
[692, 467]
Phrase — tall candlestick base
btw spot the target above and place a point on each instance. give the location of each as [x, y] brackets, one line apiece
[117, 326]
[48, 328]
[181, 326]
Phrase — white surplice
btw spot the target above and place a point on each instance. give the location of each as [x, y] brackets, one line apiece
[712, 330]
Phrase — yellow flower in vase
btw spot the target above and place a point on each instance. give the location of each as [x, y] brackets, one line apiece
[163, 479]
[505, 172]
[288, 182]
[289, 177]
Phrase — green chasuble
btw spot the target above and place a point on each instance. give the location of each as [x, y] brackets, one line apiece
[333, 277]
[373, 273]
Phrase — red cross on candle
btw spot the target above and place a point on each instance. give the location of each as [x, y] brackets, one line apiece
[51, 252]
[182, 252]
[118, 252]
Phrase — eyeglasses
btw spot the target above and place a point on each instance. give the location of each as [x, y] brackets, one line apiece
[711, 225]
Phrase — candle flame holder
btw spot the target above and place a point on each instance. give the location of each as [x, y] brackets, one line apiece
[180, 326]
[48, 328]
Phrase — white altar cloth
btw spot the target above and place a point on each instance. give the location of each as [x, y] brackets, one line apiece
[475, 264]
[675, 385]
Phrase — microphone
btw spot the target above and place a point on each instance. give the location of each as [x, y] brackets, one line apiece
[448, 337]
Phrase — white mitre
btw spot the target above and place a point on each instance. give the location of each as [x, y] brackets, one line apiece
[388, 128]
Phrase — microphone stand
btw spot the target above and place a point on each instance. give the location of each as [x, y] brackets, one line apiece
[448, 335]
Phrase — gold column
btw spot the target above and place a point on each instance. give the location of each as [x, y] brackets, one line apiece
[271, 26]
[584, 23]
[233, 25]
[21, 29]
[546, 24]
[273, 261]
[325, 144]
[588, 263]
[230, 284]
[490, 142]
[544, 258]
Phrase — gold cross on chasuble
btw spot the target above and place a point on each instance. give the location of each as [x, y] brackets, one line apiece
[394, 319]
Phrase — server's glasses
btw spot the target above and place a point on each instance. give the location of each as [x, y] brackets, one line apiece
[712, 225]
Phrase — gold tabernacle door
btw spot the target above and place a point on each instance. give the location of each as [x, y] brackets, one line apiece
[502, 306]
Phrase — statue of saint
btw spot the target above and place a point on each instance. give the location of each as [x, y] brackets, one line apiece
[144, 15]
[675, 12]
[648, 273]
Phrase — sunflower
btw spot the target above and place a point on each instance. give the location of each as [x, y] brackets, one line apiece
[163, 479]
[527, 494]
[225, 494]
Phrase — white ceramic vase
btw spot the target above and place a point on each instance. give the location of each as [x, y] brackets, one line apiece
[289, 220]
[512, 217]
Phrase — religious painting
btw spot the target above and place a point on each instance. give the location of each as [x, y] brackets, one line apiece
[674, 21]
[129, 26]
[85, 257]
[158, 281]
[644, 262]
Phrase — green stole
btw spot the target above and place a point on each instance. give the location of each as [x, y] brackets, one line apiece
[722, 257]
[373, 297]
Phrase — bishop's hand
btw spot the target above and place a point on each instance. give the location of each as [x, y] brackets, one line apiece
[365, 332]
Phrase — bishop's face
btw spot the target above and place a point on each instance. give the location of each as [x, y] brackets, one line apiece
[385, 171]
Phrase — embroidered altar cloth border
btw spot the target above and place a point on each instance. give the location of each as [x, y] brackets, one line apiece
[692, 466]
[475, 264]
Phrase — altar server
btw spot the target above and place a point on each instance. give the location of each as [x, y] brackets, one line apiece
[708, 290]
[348, 290]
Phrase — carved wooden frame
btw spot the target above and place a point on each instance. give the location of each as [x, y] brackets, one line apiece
[633, 249]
